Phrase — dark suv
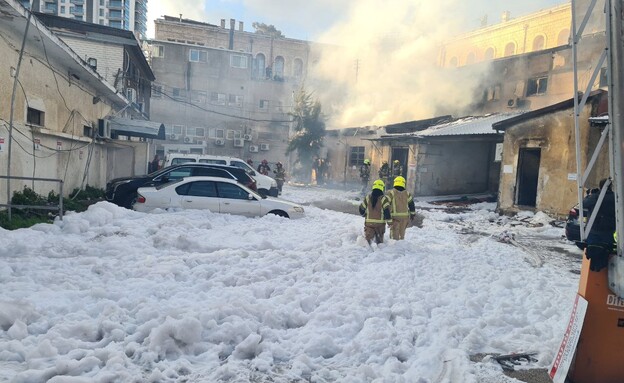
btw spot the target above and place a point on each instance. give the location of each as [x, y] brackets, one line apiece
[123, 191]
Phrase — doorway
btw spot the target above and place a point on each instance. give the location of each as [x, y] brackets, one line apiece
[528, 174]
[401, 155]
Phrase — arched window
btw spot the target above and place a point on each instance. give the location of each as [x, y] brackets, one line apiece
[539, 43]
[260, 66]
[564, 37]
[279, 67]
[489, 54]
[453, 62]
[471, 58]
[298, 68]
[510, 49]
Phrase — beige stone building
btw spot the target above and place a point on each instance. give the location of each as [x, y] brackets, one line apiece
[537, 31]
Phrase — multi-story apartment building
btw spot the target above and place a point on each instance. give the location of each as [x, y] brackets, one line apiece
[224, 90]
[130, 15]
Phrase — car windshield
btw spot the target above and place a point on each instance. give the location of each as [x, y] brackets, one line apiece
[158, 187]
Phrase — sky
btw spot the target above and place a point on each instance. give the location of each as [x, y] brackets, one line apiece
[116, 295]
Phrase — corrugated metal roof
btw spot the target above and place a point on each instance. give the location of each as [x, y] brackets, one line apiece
[467, 126]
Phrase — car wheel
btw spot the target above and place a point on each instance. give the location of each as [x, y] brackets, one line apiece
[279, 213]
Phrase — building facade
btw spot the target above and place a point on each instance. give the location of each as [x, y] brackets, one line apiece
[537, 31]
[130, 15]
[223, 90]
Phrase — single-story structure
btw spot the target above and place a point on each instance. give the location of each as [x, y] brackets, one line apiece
[539, 169]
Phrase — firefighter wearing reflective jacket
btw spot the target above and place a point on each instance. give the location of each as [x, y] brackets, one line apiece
[376, 209]
[402, 208]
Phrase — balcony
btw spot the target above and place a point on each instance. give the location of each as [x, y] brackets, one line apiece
[115, 16]
[77, 2]
[115, 5]
[77, 11]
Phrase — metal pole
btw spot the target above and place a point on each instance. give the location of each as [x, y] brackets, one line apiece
[616, 118]
[577, 127]
[17, 70]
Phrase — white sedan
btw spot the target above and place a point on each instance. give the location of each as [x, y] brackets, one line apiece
[219, 195]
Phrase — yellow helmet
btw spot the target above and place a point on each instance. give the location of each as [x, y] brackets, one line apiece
[367, 162]
[396, 161]
[399, 181]
[379, 185]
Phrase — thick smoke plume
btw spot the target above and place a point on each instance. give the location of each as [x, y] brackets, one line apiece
[383, 66]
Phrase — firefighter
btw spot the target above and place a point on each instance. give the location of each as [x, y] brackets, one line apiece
[365, 175]
[402, 208]
[280, 176]
[384, 173]
[376, 209]
[397, 169]
[264, 168]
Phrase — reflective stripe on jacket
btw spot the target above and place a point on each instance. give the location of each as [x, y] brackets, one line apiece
[375, 214]
[398, 201]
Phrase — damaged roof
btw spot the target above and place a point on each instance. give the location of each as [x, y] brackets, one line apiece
[471, 125]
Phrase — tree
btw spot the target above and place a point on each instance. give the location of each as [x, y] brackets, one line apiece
[309, 130]
[267, 30]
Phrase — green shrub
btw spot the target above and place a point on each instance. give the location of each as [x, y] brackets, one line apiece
[79, 200]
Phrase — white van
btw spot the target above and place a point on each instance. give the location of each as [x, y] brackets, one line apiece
[266, 184]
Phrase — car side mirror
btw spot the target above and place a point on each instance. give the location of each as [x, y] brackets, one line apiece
[250, 197]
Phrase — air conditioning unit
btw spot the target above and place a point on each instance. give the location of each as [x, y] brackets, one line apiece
[239, 142]
[513, 102]
[247, 137]
[187, 140]
[104, 128]
[220, 141]
[173, 136]
[253, 148]
[264, 146]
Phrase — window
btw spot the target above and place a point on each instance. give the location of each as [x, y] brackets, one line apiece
[199, 96]
[62, 9]
[259, 66]
[489, 54]
[238, 61]
[87, 131]
[35, 117]
[156, 91]
[536, 86]
[231, 191]
[218, 98]
[102, 12]
[179, 93]
[539, 43]
[219, 133]
[279, 67]
[198, 189]
[196, 55]
[356, 157]
[492, 93]
[264, 104]
[235, 100]
[510, 49]
[158, 51]
[298, 68]
[197, 132]
[177, 129]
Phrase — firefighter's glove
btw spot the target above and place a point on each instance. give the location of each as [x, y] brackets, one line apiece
[598, 257]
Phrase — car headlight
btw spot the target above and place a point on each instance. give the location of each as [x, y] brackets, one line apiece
[298, 209]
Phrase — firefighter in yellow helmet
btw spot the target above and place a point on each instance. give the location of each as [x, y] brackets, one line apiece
[402, 208]
[376, 209]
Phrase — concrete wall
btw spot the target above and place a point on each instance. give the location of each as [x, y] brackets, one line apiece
[554, 135]
[452, 167]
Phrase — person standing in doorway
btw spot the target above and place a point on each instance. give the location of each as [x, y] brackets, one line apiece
[365, 175]
[397, 169]
[402, 208]
[376, 210]
[154, 165]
